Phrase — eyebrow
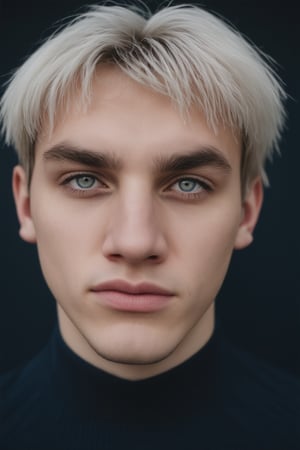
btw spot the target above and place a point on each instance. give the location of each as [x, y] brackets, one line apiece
[70, 152]
[203, 156]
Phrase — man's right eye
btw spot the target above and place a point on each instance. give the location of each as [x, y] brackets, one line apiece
[83, 182]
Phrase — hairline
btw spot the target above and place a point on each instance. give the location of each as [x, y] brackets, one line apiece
[255, 163]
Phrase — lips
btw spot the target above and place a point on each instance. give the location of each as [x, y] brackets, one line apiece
[124, 296]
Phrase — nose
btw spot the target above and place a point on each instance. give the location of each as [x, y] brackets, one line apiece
[135, 233]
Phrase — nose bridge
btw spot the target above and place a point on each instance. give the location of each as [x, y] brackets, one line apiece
[136, 214]
[136, 205]
[135, 232]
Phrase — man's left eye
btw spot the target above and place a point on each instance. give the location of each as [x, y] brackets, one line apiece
[189, 185]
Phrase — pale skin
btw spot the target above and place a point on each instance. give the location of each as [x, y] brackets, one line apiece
[136, 218]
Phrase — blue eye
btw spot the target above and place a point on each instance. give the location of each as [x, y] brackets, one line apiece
[85, 185]
[84, 181]
[189, 185]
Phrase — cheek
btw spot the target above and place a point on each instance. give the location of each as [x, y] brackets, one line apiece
[206, 244]
[62, 243]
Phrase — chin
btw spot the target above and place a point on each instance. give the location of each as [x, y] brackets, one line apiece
[132, 349]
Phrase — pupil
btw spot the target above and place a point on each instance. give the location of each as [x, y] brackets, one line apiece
[187, 185]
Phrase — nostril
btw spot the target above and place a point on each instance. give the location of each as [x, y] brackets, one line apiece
[115, 256]
[153, 257]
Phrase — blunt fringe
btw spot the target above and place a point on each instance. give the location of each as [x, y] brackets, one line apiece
[185, 52]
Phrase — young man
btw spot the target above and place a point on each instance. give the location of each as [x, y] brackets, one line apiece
[142, 143]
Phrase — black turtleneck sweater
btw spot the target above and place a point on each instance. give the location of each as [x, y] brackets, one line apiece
[221, 398]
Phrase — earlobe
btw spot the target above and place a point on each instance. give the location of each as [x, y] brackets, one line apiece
[22, 202]
[251, 209]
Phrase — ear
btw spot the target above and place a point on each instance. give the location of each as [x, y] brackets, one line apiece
[251, 208]
[22, 202]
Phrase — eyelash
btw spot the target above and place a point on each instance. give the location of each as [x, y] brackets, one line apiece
[205, 187]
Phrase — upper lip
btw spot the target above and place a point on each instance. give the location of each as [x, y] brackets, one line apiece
[128, 288]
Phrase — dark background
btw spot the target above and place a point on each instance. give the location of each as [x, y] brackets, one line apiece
[259, 304]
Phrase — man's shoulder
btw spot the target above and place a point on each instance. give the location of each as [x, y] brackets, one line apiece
[258, 379]
[261, 399]
[21, 385]
[257, 392]
[9, 380]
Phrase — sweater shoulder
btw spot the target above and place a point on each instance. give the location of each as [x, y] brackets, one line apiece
[263, 399]
[256, 378]
[24, 387]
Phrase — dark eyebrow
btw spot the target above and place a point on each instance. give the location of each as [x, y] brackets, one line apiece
[205, 156]
[66, 152]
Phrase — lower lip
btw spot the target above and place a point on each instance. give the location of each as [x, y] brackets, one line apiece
[122, 301]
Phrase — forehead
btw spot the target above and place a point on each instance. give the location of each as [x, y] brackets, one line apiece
[126, 118]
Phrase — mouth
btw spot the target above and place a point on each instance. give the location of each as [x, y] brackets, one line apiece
[123, 296]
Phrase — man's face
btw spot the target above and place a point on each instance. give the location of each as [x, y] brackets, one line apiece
[129, 191]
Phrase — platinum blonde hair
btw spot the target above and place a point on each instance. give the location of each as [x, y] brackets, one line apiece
[182, 51]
